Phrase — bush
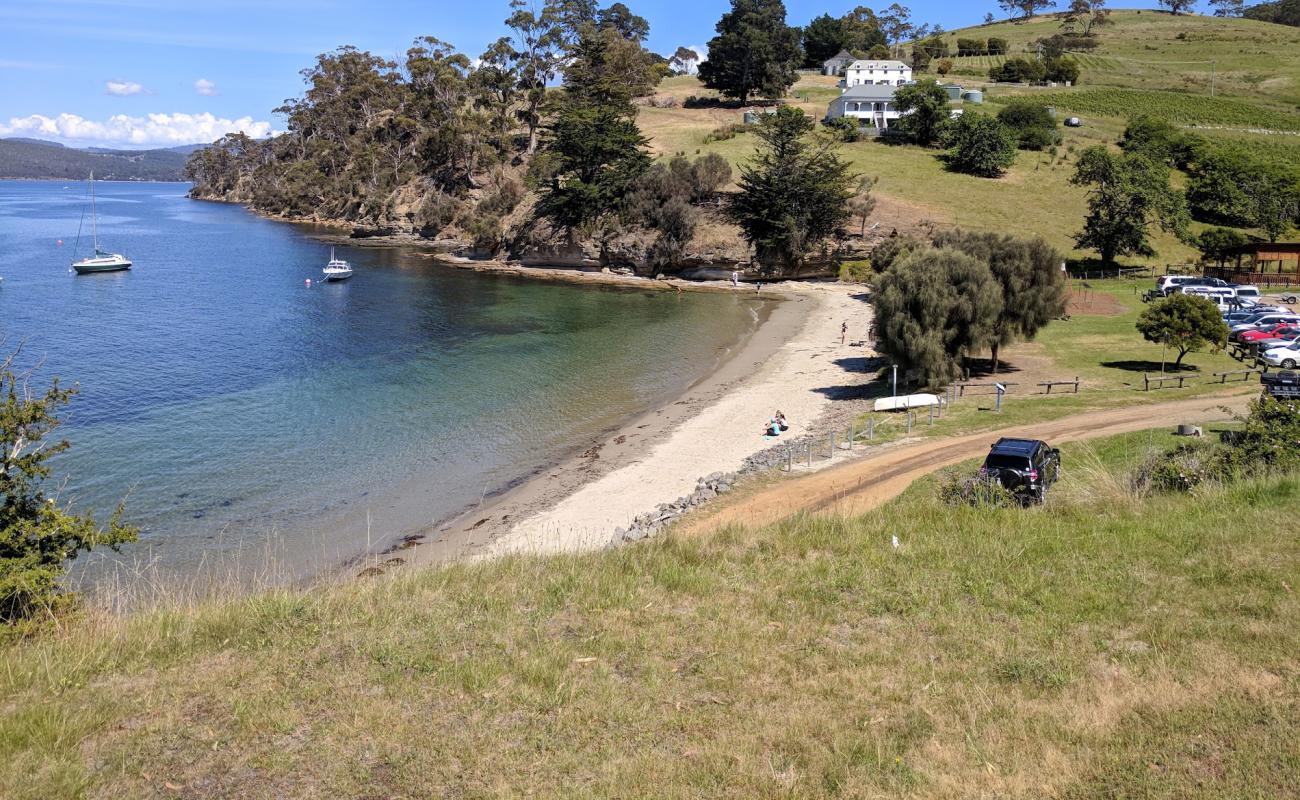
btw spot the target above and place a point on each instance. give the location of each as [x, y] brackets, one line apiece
[1270, 435]
[846, 128]
[997, 46]
[976, 491]
[1034, 126]
[980, 145]
[437, 210]
[971, 47]
[1061, 70]
[889, 251]
[944, 66]
[725, 132]
[1018, 70]
[1182, 470]
[37, 537]
[856, 271]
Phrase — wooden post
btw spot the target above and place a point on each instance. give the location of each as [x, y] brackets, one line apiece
[909, 421]
[871, 428]
[810, 454]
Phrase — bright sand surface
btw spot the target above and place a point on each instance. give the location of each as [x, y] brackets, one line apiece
[797, 379]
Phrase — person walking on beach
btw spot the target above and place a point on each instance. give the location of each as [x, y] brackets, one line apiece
[844, 330]
[735, 278]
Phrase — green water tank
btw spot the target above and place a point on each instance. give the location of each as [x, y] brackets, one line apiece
[973, 96]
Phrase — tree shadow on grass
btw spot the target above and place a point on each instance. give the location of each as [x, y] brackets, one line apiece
[983, 368]
[1149, 366]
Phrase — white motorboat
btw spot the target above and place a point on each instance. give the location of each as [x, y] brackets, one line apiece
[101, 260]
[337, 269]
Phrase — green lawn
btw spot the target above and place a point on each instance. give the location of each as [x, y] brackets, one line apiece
[1102, 646]
[1104, 351]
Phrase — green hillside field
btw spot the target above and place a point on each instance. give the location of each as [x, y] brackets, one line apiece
[1140, 66]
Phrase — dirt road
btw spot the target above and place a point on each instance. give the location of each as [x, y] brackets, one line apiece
[863, 484]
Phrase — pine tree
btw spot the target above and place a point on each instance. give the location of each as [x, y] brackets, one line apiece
[795, 194]
[755, 52]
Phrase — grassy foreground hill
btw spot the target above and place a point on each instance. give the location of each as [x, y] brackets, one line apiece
[1102, 646]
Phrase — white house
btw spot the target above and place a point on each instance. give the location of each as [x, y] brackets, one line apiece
[866, 103]
[876, 73]
[837, 63]
[872, 106]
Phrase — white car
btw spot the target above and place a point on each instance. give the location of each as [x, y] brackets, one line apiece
[1286, 357]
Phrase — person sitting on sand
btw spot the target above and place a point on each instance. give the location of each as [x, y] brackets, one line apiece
[772, 428]
[779, 419]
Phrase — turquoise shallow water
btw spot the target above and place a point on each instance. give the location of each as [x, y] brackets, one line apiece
[232, 406]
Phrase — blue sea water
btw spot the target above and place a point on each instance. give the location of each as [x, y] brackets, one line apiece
[228, 404]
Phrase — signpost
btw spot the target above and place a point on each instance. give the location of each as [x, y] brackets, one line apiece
[1001, 391]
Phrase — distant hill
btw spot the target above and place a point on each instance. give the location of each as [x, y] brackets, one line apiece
[33, 158]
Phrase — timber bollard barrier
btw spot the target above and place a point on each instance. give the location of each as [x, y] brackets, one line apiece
[1050, 384]
[1244, 373]
[1161, 380]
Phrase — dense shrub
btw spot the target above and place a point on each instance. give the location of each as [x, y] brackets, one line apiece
[1270, 435]
[1018, 70]
[856, 271]
[889, 251]
[972, 47]
[1061, 70]
[977, 491]
[846, 128]
[1034, 126]
[979, 145]
[997, 46]
[1183, 469]
[662, 201]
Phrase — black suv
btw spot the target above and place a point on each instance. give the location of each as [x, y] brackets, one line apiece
[1025, 467]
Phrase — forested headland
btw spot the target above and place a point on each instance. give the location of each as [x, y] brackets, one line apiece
[534, 145]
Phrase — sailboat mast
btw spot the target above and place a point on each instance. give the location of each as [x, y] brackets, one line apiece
[94, 217]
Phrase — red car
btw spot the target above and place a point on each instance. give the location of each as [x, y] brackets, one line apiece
[1283, 331]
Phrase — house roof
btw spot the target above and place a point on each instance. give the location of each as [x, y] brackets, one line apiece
[868, 92]
[869, 65]
[843, 55]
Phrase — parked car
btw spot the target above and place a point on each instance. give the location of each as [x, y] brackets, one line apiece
[1246, 294]
[1286, 330]
[1262, 321]
[1024, 467]
[1286, 356]
[1168, 283]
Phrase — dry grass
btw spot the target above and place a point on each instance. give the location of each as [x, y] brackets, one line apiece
[1085, 650]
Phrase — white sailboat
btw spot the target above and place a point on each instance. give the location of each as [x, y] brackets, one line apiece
[101, 260]
[337, 269]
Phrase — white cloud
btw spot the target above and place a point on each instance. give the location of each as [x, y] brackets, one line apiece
[123, 88]
[151, 130]
[205, 87]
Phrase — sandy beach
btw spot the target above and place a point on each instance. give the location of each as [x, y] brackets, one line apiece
[794, 362]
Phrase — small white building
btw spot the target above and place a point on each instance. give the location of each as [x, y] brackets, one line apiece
[876, 73]
[837, 63]
[868, 103]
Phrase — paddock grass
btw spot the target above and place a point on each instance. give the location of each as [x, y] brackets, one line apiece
[1102, 646]
[1255, 61]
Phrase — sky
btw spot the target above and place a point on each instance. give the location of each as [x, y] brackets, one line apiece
[148, 73]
